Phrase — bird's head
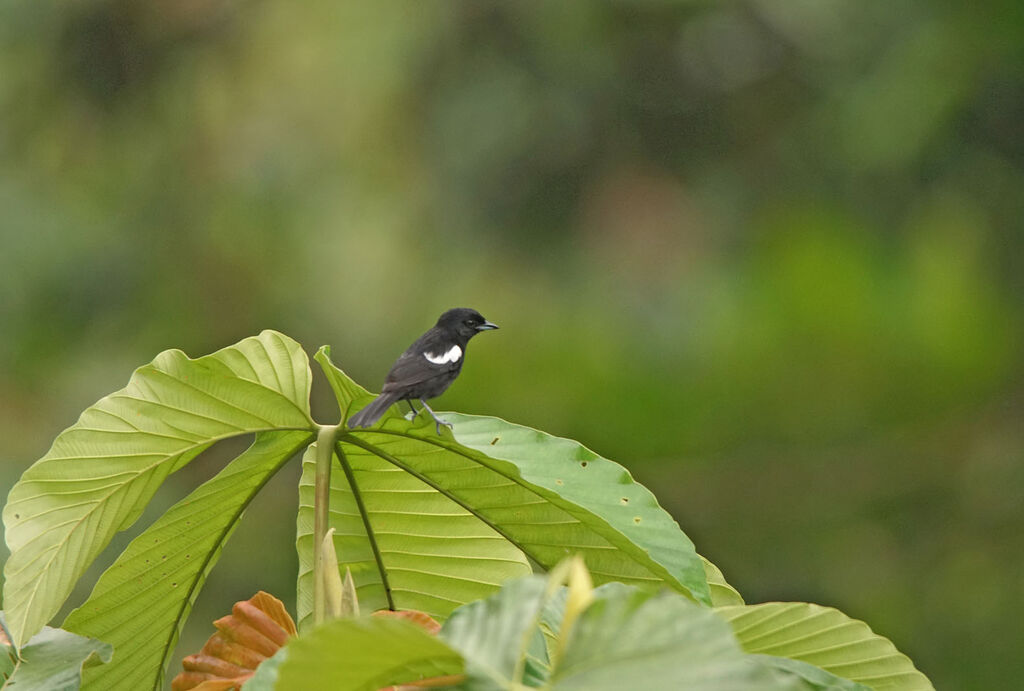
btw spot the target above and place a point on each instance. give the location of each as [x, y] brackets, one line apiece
[465, 322]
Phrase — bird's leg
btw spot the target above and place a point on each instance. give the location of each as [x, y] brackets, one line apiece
[437, 420]
[415, 412]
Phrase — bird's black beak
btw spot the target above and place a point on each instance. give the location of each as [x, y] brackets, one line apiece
[486, 326]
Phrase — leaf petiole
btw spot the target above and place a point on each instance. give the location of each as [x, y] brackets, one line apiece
[321, 504]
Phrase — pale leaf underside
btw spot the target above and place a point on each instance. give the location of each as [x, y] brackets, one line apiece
[101, 472]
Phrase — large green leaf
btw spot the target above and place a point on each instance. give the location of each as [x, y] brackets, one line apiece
[101, 472]
[141, 602]
[628, 638]
[364, 654]
[432, 553]
[633, 639]
[430, 522]
[52, 660]
[826, 638]
[496, 635]
[647, 542]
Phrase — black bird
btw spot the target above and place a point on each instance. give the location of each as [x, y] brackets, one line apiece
[428, 367]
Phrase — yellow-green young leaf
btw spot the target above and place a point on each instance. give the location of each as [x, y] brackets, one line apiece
[333, 589]
[428, 521]
[142, 601]
[825, 638]
[349, 599]
[101, 472]
[579, 593]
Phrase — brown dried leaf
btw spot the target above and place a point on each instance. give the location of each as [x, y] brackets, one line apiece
[274, 609]
[254, 631]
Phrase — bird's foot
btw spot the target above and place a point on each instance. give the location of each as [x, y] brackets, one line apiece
[415, 413]
[437, 421]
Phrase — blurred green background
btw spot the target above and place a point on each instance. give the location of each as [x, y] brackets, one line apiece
[766, 255]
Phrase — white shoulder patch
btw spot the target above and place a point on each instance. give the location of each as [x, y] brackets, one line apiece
[453, 354]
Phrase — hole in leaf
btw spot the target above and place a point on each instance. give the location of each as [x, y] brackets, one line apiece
[583, 464]
[636, 519]
[624, 500]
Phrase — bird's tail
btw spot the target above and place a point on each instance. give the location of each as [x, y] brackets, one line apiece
[371, 413]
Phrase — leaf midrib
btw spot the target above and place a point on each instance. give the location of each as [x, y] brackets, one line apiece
[380, 453]
[658, 569]
[168, 647]
[364, 516]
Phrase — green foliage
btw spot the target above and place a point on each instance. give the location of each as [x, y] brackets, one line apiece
[623, 637]
[142, 601]
[102, 471]
[421, 520]
[52, 660]
[429, 522]
[413, 548]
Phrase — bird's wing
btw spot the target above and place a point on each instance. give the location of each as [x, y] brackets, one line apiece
[425, 359]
